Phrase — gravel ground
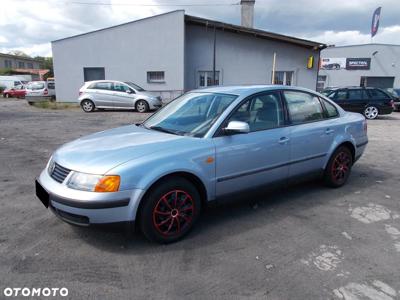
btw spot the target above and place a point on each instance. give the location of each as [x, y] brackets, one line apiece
[302, 242]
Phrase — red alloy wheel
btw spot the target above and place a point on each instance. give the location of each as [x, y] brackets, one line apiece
[173, 213]
[341, 166]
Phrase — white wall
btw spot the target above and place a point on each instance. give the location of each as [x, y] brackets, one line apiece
[244, 59]
[126, 52]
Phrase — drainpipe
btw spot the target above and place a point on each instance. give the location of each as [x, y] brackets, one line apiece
[214, 52]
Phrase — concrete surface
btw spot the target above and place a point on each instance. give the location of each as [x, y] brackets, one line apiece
[302, 242]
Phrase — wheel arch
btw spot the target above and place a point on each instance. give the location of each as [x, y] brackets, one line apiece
[194, 179]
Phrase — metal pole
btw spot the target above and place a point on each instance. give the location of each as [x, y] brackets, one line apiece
[273, 68]
[215, 40]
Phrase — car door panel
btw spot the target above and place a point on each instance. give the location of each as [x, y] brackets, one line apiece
[121, 97]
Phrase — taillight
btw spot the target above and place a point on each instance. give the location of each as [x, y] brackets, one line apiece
[392, 103]
[45, 92]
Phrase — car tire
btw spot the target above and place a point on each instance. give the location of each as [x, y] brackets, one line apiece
[169, 210]
[6, 96]
[338, 168]
[87, 106]
[142, 106]
[371, 112]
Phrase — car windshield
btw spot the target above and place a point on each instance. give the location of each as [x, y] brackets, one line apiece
[192, 114]
[135, 86]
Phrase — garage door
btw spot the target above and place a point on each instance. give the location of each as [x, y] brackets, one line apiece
[379, 82]
[90, 74]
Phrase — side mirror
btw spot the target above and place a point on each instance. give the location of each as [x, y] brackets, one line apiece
[129, 91]
[235, 127]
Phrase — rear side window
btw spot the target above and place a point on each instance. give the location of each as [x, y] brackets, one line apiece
[374, 93]
[101, 86]
[331, 110]
[303, 107]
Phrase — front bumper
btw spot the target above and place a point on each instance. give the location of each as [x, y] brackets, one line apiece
[84, 208]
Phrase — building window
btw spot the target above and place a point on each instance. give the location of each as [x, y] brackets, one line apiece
[30, 65]
[206, 78]
[155, 76]
[21, 65]
[284, 77]
[8, 64]
[90, 74]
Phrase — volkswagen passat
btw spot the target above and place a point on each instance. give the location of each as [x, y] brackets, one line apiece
[204, 145]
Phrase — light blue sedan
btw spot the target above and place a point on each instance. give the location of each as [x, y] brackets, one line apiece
[204, 145]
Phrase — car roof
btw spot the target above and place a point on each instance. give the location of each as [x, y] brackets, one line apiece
[243, 90]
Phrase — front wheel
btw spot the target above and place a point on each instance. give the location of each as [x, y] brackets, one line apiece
[339, 167]
[142, 106]
[87, 106]
[371, 112]
[170, 210]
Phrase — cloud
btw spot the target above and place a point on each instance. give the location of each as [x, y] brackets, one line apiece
[389, 35]
[32, 24]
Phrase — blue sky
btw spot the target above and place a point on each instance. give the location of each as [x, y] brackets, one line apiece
[30, 25]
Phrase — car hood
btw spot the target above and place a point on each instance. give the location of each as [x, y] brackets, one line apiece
[103, 151]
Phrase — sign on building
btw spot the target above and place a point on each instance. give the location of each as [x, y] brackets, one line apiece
[358, 63]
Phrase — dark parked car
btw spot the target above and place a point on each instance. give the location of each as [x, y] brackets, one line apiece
[395, 93]
[368, 101]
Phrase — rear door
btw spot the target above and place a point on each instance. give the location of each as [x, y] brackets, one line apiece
[311, 133]
[123, 95]
[102, 93]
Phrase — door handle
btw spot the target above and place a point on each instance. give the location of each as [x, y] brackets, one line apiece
[283, 140]
[329, 131]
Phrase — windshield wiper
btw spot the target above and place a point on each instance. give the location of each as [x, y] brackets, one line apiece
[162, 129]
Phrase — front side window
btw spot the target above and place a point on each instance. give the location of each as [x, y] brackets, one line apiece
[119, 87]
[303, 107]
[341, 95]
[261, 112]
[134, 86]
[192, 114]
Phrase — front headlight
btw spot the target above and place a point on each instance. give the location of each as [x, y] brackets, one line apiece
[94, 183]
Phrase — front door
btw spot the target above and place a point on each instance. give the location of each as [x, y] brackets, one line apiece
[123, 96]
[258, 157]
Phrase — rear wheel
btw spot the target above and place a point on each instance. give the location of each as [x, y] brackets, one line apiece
[142, 106]
[339, 167]
[87, 106]
[170, 210]
[371, 112]
[6, 95]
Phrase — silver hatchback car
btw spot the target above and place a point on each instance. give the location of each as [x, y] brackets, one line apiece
[116, 95]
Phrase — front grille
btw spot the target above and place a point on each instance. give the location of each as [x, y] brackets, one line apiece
[59, 173]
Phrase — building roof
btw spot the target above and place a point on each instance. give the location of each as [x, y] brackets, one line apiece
[19, 57]
[254, 32]
[226, 27]
[362, 45]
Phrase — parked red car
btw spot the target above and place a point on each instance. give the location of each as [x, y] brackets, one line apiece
[15, 92]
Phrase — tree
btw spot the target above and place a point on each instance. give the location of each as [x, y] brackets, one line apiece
[18, 53]
[47, 63]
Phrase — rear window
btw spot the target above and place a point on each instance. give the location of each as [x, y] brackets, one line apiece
[36, 86]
